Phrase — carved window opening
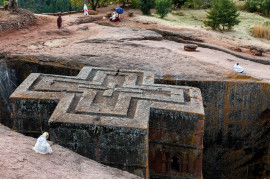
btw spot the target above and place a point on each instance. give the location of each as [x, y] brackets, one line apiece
[175, 165]
[265, 117]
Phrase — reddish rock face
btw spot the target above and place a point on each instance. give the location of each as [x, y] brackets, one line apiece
[120, 118]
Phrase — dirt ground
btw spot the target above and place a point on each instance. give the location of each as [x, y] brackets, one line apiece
[128, 45]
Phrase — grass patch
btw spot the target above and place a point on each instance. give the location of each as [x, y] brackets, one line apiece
[240, 5]
[262, 30]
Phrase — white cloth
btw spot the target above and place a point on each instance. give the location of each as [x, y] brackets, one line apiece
[85, 10]
[238, 68]
[113, 16]
[42, 146]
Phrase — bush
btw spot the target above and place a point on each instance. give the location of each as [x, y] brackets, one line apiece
[262, 30]
[266, 7]
[135, 4]
[163, 7]
[5, 3]
[251, 6]
[222, 14]
[198, 4]
[146, 6]
[178, 3]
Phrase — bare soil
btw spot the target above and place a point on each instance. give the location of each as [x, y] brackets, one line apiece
[126, 44]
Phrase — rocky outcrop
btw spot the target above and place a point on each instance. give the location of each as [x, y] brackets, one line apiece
[190, 47]
[256, 51]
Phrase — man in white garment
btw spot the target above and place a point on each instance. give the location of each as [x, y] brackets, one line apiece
[113, 17]
[42, 146]
[238, 68]
[85, 10]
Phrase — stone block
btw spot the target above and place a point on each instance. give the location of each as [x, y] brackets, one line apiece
[110, 115]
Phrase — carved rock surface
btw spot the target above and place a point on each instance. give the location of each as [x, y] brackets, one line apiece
[116, 117]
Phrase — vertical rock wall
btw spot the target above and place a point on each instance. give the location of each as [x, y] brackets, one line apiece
[175, 144]
[118, 147]
[7, 86]
[237, 128]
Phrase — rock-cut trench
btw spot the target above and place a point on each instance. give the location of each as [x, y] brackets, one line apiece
[237, 121]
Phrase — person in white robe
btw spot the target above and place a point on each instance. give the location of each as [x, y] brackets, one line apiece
[85, 10]
[113, 17]
[42, 146]
[238, 68]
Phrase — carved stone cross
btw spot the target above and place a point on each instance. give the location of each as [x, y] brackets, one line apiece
[112, 116]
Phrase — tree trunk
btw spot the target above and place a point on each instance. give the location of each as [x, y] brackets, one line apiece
[12, 4]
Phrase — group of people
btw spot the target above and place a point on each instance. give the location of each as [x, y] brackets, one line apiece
[115, 17]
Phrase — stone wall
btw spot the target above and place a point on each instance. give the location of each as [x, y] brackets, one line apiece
[7, 86]
[37, 112]
[237, 132]
[175, 144]
[118, 147]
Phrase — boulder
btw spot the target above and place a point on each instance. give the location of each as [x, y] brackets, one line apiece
[256, 51]
[190, 47]
[130, 13]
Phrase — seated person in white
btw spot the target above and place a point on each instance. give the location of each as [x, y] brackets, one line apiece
[238, 68]
[113, 17]
[42, 146]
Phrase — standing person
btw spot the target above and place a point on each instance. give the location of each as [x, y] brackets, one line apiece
[85, 10]
[59, 22]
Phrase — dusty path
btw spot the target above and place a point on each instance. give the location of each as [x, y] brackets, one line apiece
[18, 160]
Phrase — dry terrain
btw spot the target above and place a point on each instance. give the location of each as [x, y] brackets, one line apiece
[128, 45]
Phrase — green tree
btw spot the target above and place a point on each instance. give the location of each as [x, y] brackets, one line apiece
[134, 4]
[222, 14]
[146, 6]
[266, 7]
[79, 3]
[163, 7]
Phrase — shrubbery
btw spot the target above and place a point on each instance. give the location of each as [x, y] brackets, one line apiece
[223, 15]
[178, 3]
[262, 6]
[146, 6]
[163, 7]
[251, 6]
[134, 4]
[266, 7]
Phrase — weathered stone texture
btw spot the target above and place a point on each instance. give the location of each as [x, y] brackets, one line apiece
[104, 114]
[236, 134]
[7, 86]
